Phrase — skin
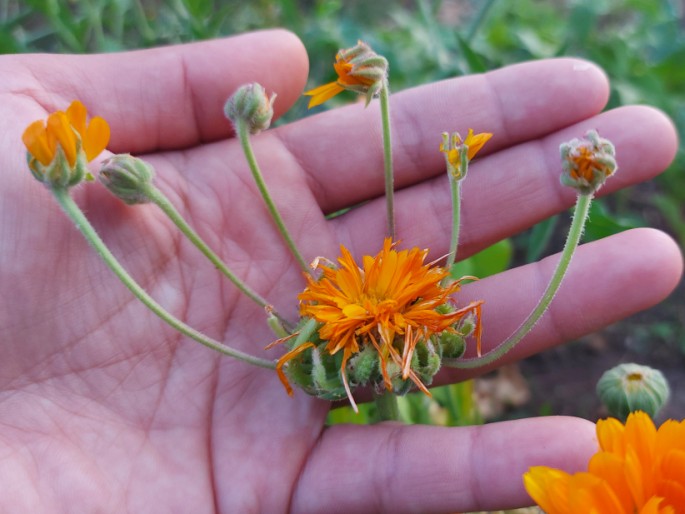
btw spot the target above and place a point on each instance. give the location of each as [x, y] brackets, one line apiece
[104, 407]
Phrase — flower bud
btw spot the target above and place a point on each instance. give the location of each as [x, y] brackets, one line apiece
[359, 69]
[587, 162]
[630, 387]
[251, 105]
[459, 152]
[126, 177]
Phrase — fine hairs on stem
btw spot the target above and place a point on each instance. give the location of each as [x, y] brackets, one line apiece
[575, 232]
[76, 215]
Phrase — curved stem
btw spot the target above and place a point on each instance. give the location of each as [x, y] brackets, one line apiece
[244, 136]
[386, 406]
[74, 212]
[387, 160]
[159, 199]
[574, 234]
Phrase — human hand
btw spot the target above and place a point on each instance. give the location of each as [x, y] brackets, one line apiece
[104, 408]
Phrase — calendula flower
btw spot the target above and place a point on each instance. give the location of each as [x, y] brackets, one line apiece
[587, 162]
[59, 150]
[387, 307]
[638, 469]
[359, 69]
[458, 152]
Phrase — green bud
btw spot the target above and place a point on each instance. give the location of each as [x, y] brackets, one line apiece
[429, 361]
[587, 162]
[127, 178]
[630, 387]
[363, 366]
[251, 105]
[453, 344]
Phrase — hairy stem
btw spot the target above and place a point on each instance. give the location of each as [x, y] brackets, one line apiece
[244, 136]
[574, 234]
[74, 212]
[387, 160]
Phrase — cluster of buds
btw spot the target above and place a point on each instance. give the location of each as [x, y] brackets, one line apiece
[317, 371]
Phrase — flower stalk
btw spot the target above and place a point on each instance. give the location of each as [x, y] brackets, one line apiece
[76, 215]
[160, 200]
[243, 131]
[387, 408]
[575, 232]
[387, 159]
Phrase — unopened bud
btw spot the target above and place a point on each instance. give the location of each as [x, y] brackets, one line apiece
[251, 105]
[126, 177]
[587, 162]
[631, 387]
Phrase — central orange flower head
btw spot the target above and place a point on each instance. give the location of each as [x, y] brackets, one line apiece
[457, 151]
[391, 303]
[359, 69]
[638, 469]
[59, 149]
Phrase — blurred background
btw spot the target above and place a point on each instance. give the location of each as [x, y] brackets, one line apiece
[640, 44]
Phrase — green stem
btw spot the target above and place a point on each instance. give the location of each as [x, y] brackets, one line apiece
[455, 187]
[574, 234]
[387, 160]
[386, 406]
[244, 136]
[159, 199]
[74, 212]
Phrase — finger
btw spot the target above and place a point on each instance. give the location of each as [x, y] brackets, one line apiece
[607, 280]
[341, 150]
[397, 468]
[513, 189]
[163, 98]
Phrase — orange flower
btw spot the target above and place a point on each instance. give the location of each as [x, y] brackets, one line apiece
[453, 150]
[69, 132]
[359, 69]
[638, 469]
[391, 303]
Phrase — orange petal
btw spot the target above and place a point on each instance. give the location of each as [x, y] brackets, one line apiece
[60, 127]
[323, 93]
[96, 138]
[77, 113]
[476, 142]
[37, 143]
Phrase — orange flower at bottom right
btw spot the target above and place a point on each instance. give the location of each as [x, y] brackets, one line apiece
[638, 469]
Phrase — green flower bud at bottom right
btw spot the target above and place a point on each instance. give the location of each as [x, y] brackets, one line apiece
[631, 387]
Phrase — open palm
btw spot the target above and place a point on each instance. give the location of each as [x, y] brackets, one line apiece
[103, 408]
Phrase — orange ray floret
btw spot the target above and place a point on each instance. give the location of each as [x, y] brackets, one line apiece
[638, 469]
